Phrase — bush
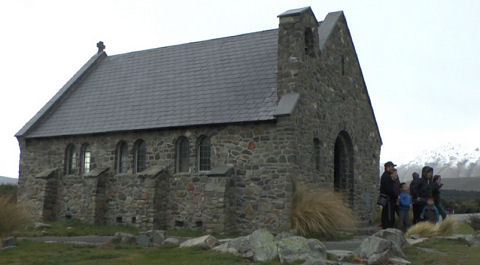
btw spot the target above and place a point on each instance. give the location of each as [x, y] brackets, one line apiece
[320, 213]
[12, 217]
[427, 229]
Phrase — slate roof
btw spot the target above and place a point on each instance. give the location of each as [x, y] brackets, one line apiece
[224, 80]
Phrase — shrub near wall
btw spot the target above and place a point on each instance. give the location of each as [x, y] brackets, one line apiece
[12, 217]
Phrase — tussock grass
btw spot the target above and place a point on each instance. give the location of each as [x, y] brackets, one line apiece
[427, 229]
[12, 217]
[320, 213]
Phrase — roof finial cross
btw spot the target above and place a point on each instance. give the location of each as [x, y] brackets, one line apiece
[100, 46]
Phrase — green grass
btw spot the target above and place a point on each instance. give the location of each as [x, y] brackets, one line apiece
[457, 252]
[78, 228]
[464, 228]
[30, 252]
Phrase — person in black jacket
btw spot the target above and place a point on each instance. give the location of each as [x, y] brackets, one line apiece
[413, 192]
[437, 184]
[387, 187]
[424, 190]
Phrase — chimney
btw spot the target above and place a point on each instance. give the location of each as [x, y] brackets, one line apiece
[297, 47]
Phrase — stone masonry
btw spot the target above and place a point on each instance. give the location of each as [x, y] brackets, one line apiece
[253, 163]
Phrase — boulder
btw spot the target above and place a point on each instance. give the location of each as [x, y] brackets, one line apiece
[295, 248]
[151, 238]
[378, 250]
[394, 235]
[474, 241]
[9, 242]
[38, 225]
[262, 245]
[205, 242]
[316, 262]
[125, 238]
[340, 255]
[399, 261]
[171, 241]
[283, 235]
[239, 246]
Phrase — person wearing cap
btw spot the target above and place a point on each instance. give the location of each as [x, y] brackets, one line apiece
[417, 207]
[387, 188]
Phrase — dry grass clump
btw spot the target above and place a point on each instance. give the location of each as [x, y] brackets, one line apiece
[427, 229]
[320, 213]
[12, 217]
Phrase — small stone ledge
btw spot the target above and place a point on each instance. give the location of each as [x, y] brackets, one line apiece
[221, 170]
[94, 173]
[46, 174]
[152, 172]
[287, 104]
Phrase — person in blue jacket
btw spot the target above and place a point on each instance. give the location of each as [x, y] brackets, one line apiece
[430, 212]
[404, 206]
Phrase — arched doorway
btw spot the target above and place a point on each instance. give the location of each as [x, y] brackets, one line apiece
[343, 166]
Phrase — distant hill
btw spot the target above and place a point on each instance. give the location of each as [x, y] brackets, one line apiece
[6, 180]
[463, 184]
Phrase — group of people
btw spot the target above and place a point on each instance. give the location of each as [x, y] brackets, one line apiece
[422, 197]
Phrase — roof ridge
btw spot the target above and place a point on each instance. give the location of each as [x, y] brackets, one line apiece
[193, 42]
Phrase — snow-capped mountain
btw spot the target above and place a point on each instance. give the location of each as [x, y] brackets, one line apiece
[6, 180]
[449, 161]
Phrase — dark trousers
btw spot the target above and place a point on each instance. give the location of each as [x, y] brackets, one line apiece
[388, 215]
[417, 211]
[404, 219]
[441, 210]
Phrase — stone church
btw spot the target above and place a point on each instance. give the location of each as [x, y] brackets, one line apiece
[207, 135]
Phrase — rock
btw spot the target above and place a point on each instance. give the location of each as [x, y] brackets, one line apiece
[432, 251]
[205, 242]
[416, 241]
[319, 261]
[38, 225]
[296, 248]
[151, 238]
[394, 235]
[171, 241]
[9, 242]
[415, 236]
[399, 261]
[69, 228]
[240, 247]
[475, 241]
[378, 258]
[340, 255]
[144, 239]
[124, 238]
[158, 236]
[283, 235]
[378, 250]
[262, 245]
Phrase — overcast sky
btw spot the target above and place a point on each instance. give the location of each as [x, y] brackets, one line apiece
[420, 59]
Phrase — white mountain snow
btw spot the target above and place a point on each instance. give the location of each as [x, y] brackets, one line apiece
[449, 161]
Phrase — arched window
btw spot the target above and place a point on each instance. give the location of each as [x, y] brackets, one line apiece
[86, 158]
[70, 160]
[308, 42]
[140, 156]
[204, 154]
[316, 153]
[122, 157]
[183, 153]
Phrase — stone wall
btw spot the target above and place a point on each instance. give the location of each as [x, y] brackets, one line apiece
[333, 102]
[254, 193]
